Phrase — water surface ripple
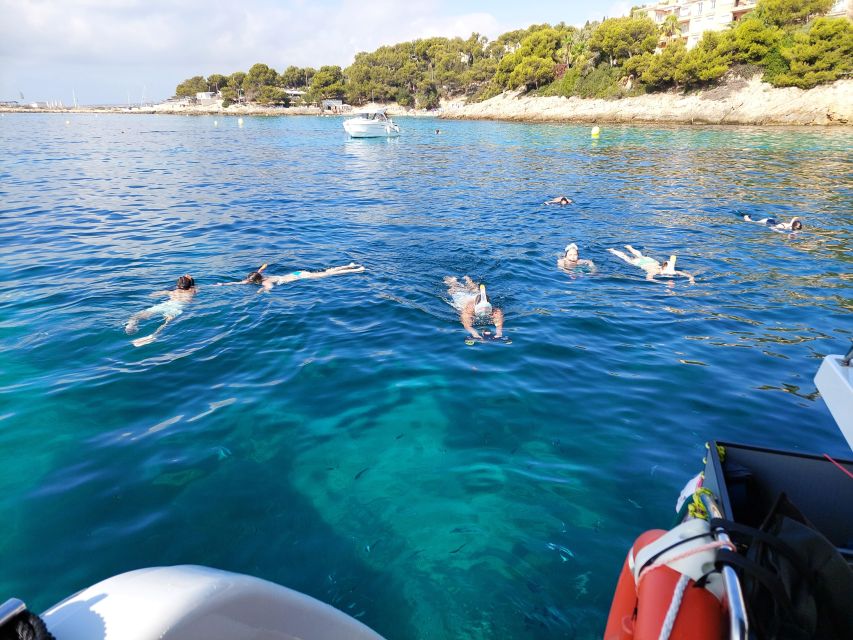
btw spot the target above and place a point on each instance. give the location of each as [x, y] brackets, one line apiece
[337, 436]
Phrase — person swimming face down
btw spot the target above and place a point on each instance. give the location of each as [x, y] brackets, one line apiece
[255, 278]
[796, 224]
[185, 282]
[482, 304]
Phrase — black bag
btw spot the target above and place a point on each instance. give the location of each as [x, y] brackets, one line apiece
[796, 584]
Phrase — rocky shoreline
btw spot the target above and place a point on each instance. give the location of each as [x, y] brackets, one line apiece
[738, 101]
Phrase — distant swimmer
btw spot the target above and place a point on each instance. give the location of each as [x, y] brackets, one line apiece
[570, 260]
[559, 200]
[474, 307]
[268, 282]
[794, 225]
[183, 292]
[651, 266]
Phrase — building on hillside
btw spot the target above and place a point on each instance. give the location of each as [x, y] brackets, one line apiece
[333, 106]
[697, 16]
[206, 98]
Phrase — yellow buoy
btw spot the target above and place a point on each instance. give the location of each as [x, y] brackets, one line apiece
[595, 132]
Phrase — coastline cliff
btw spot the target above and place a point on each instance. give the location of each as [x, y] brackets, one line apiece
[735, 101]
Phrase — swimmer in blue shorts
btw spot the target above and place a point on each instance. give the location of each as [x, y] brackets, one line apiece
[651, 266]
[781, 227]
[268, 282]
[183, 292]
[474, 306]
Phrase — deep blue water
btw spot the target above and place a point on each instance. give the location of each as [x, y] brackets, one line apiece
[337, 436]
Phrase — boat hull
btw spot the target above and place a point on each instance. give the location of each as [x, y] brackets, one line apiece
[367, 129]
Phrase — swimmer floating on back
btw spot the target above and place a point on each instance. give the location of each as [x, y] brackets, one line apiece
[794, 225]
[268, 282]
[559, 200]
[170, 309]
[570, 260]
[651, 266]
[474, 306]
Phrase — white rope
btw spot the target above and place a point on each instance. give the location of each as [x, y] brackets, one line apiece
[674, 606]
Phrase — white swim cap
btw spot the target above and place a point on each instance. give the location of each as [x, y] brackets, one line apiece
[482, 306]
[570, 246]
[670, 266]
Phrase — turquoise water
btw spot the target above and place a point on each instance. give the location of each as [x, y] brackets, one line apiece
[337, 436]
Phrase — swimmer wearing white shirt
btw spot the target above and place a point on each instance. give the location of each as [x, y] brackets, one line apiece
[268, 282]
[651, 266]
[474, 306]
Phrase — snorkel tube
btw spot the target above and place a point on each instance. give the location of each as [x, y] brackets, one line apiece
[262, 267]
[482, 306]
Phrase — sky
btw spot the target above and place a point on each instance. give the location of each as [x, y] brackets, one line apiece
[118, 51]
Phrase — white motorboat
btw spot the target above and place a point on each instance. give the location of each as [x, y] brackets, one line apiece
[371, 124]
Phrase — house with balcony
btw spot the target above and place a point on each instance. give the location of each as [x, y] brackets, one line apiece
[697, 16]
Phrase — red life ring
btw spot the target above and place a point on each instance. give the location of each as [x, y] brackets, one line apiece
[639, 614]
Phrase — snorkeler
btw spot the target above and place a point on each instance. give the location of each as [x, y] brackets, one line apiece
[559, 200]
[268, 282]
[170, 309]
[651, 266]
[474, 306]
[794, 225]
[570, 260]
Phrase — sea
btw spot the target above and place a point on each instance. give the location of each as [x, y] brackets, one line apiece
[339, 436]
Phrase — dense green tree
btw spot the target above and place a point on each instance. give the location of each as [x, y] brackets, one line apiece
[823, 54]
[791, 12]
[532, 72]
[752, 39]
[269, 95]
[296, 77]
[620, 38]
[327, 83]
[216, 81]
[705, 62]
[188, 88]
[229, 96]
[662, 70]
[259, 76]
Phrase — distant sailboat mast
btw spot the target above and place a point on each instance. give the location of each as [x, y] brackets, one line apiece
[74, 95]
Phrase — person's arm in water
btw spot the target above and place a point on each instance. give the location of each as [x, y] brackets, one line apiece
[467, 317]
[157, 294]
[588, 263]
[332, 271]
[498, 318]
[687, 275]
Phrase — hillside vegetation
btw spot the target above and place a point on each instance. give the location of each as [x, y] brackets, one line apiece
[790, 40]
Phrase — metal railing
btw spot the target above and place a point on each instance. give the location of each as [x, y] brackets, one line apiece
[733, 598]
